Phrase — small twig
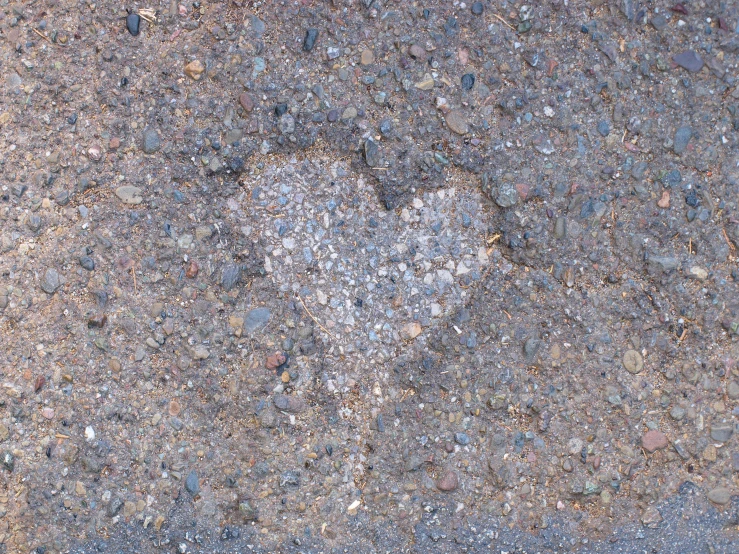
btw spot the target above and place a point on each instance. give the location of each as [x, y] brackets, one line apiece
[314, 319]
[133, 273]
[731, 245]
[505, 22]
[42, 35]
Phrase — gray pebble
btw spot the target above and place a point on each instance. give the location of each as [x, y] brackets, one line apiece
[152, 142]
[230, 276]
[256, 318]
[51, 281]
[114, 506]
[506, 195]
[681, 140]
[87, 263]
[462, 438]
[192, 483]
[722, 432]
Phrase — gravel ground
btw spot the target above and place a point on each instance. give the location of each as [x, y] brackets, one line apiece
[442, 277]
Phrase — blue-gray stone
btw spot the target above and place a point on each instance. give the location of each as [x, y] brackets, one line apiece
[230, 276]
[682, 138]
[133, 22]
[462, 438]
[256, 318]
[310, 39]
[152, 142]
[192, 483]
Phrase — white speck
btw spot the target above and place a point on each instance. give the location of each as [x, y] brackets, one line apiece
[89, 433]
[354, 505]
[548, 111]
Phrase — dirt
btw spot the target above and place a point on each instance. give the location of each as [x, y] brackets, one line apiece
[369, 276]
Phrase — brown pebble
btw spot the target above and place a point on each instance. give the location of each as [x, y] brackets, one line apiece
[664, 202]
[275, 360]
[195, 70]
[285, 377]
[192, 269]
[596, 462]
[97, 321]
[448, 481]
[246, 102]
[368, 57]
[653, 441]
[114, 143]
[174, 408]
[523, 191]
[40, 382]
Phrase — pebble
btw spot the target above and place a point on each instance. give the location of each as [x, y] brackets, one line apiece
[416, 51]
[368, 57]
[52, 281]
[604, 128]
[689, 60]
[290, 404]
[349, 113]
[664, 201]
[192, 483]
[195, 70]
[129, 194]
[456, 121]
[427, 83]
[246, 102]
[651, 517]
[682, 138]
[230, 276]
[87, 263]
[719, 495]
[275, 360]
[410, 331]
[477, 8]
[256, 319]
[633, 361]
[506, 195]
[462, 438]
[311, 35]
[114, 506]
[448, 481]
[722, 432]
[654, 440]
[468, 81]
[133, 22]
[372, 153]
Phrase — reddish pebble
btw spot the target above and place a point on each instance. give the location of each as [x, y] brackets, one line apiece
[551, 64]
[448, 481]
[48, 413]
[40, 382]
[246, 102]
[115, 143]
[653, 441]
[523, 191]
[664, 202]
[275, 360]
[192, 270]
[97, 321]
[596, 462]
